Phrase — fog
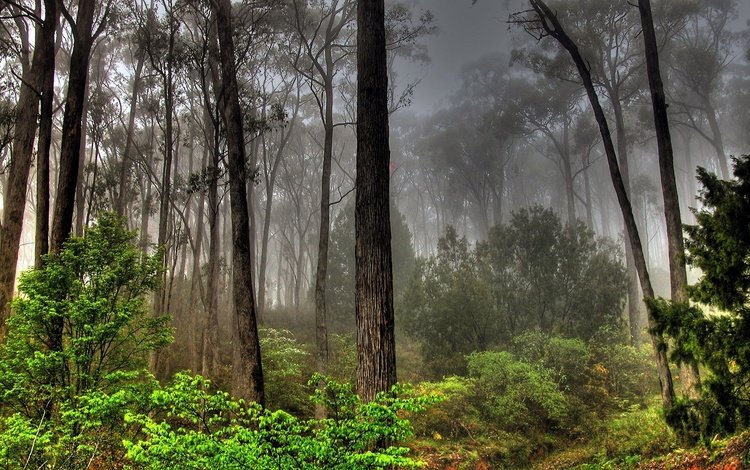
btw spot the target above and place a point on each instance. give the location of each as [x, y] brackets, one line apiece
[520, 150]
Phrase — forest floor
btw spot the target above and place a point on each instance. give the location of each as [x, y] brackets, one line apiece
[724, 454]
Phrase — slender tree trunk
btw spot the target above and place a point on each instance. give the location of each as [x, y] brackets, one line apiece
[41, 236]
[376, 347]
[321, 273]
[675, 244]
[555, 29]
[634, 298]
[718, 141]
[211, 329]
[124, 176]
[247, 371]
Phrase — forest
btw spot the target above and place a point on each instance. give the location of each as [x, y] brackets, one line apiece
[375, 234]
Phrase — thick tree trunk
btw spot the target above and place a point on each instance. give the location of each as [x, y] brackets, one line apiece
[675, 244]
[247, 372]
[553, 27]
[14, 202]
[376, 347]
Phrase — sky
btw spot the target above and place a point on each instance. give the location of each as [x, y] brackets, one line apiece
[466, 33]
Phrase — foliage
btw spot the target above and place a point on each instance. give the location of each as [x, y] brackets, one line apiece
[515, 393]
[533, 273]
[197, 428]
[62, 394]
[284, 361]
[718, 245]
[340, 283]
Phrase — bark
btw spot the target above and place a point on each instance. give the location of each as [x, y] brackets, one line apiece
[14, 202]
[675, 244]
[553, 28]
[70, 147]
[247, 371]
[41, 235]
[376, 351]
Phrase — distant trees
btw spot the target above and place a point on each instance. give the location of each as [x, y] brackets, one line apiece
[341, 270]
[533, 273]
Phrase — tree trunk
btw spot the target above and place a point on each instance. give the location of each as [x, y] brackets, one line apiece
[124, 175]
[247, 371]
[41, 236]
[321, 273]
[14, 202]
[675, 244]
[552, 26]
[376, 347]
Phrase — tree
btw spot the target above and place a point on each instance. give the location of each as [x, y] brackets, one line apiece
[675, 246]
[35, 73]
[326, 51]
[545, 23]
[247, 373]
[535, 273]
[376, 345]
[717, 245]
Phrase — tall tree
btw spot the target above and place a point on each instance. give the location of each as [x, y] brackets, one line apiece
[34, 71]
[545, 23]
[376, 347]
[675, 244]
[325, 53]
[47, 92]
[247, 372]
[84, 36]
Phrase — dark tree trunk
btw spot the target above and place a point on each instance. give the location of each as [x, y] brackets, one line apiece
[41, 236]
[27, 110]
[70, 148]
[553, 27]
[675, 244]
[321, 273]
[376, 347]
[247, 371]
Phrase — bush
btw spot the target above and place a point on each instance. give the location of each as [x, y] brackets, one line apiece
[75, 353]
[515, 394]
[196, 428]
[285, 364]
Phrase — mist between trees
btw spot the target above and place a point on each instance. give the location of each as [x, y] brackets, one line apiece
[280, 225]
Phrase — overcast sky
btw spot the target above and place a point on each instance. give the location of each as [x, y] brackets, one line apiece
[466, 33]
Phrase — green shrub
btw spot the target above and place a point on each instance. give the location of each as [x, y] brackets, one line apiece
[638, 431]
[515, 394]
[75, 353]
[285, 366]
[456, 415]
[196, 428]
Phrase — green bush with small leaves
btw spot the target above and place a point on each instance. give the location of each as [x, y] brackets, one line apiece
[196, 428]
[76, 350]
